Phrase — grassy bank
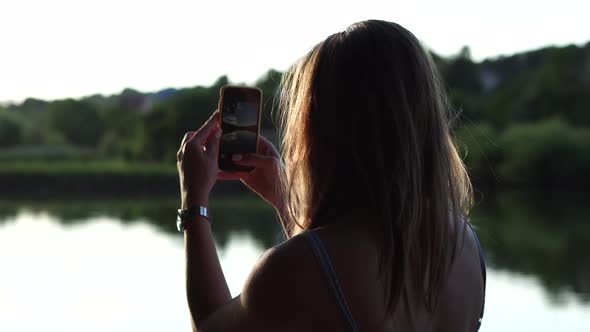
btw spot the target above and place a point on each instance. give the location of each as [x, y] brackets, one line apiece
[101, 178]
[86, 167]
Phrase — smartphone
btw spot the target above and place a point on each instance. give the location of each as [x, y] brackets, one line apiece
[239, 109]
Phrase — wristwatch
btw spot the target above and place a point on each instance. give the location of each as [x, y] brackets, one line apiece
[185, 214]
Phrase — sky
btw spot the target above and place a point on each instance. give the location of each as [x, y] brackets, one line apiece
[53, 49]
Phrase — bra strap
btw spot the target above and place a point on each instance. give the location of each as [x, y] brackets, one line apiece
[323, 259]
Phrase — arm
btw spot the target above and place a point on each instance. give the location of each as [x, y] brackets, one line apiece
[206, 287]
[207, 292]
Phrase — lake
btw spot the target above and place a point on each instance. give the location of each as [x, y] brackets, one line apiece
[117, 265]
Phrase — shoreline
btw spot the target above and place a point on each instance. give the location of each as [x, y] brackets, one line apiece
[120, 179]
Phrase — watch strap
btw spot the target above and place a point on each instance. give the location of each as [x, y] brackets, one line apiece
[184, 215]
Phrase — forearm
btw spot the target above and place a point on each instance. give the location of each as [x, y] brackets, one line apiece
[206, 287]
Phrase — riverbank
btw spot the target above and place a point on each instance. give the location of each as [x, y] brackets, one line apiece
[92, 178]
[121, 179]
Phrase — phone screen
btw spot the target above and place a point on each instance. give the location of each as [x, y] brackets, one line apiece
[240, 113]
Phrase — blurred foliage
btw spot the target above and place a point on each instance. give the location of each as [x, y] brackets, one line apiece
[76, 121]
[269, 84]
[12, 128]
[478, 148]
[522, 119]
[550, 151]
[95, 167]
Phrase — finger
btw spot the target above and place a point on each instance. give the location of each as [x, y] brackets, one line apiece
[266, 147]
[204, 132]
[190, 144]
[187, 137]
[231, 175]
[212, 145]
[256, 160]
[193, 145]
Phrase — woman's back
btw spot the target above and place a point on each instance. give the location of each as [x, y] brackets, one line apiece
[354, 257]
[367, 131]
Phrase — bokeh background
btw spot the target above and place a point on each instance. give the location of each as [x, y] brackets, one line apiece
[96, 95]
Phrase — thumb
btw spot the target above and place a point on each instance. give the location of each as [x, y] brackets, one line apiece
[212, 145]
[256, 160]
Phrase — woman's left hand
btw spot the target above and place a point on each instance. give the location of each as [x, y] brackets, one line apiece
[197, 163]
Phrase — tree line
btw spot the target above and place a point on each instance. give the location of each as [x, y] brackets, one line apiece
[521, 119]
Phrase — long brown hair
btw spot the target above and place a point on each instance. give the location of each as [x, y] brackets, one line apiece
[365, 124]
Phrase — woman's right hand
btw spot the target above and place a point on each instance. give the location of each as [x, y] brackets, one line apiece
[264, 179]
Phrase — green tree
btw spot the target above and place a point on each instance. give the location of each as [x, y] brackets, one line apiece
[269, 84]
[549, 152]
[78, 122]
[559, 87]
[169, 120]
[123, 135]
[478, 147]
[12, 128]
[462, 73]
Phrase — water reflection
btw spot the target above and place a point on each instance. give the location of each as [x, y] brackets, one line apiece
[243, 213]
[540, 235]
[100, 275]
[119, 264]
[515, 302]
[96, 276]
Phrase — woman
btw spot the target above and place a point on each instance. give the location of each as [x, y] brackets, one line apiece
[372, 197]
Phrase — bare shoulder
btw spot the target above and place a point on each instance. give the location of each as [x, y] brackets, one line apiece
[276, 296]
[288, 279]
[280, 283]
[462, 297]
